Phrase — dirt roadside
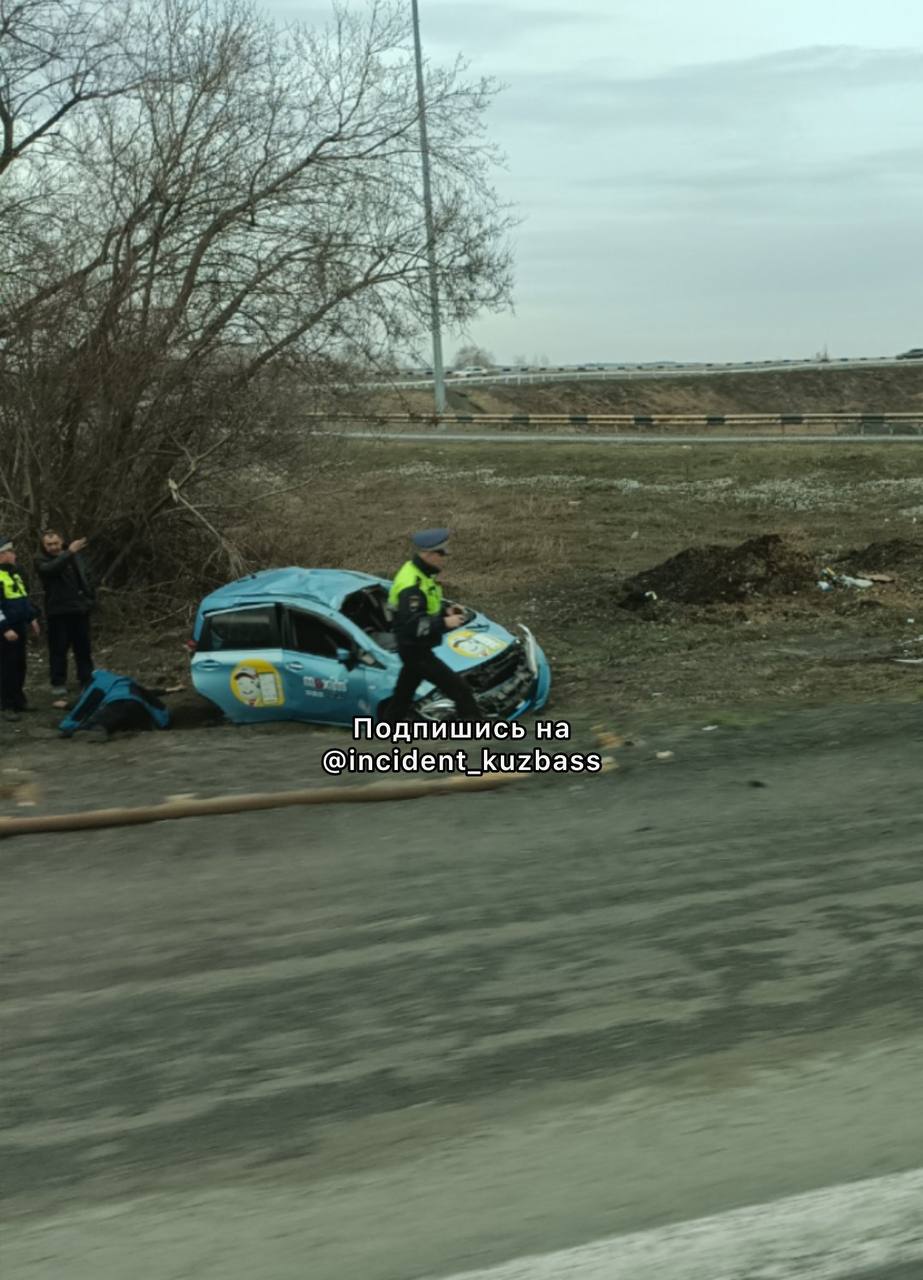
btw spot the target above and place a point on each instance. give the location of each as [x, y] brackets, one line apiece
[412, 1039]
[475, 1028]
[825, 389]
[549, 536]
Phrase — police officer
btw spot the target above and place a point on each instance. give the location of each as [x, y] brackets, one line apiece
[420, 622]
[18, 616]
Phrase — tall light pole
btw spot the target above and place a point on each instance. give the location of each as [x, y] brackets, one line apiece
[436, 323]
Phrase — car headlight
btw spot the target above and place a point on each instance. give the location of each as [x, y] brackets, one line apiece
[530, 647]
[436, 706]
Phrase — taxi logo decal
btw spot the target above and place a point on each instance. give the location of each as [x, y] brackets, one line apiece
[256, 683]
[474, 644]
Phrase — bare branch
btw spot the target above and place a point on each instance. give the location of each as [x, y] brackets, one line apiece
[206, 220]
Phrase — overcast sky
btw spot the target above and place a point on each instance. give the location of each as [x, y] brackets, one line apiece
[701, 179]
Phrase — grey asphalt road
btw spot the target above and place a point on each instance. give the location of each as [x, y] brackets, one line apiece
[416, 1039]
[536, 437]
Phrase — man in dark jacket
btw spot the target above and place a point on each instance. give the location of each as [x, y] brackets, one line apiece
[420, 622]
[68, 601]
[18, 616]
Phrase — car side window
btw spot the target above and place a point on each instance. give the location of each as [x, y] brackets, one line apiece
[310, 634]
[254, 628]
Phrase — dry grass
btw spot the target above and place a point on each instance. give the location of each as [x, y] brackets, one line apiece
[546, 533]
[823, 389]
[530, 515]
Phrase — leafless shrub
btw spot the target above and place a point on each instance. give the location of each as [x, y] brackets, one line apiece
[206, 225]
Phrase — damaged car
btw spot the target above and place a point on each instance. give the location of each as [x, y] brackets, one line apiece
[318, 645]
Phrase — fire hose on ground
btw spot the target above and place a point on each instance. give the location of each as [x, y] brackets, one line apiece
[190, 807]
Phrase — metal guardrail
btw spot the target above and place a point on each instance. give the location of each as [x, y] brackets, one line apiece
[908, 422]
[621, 372]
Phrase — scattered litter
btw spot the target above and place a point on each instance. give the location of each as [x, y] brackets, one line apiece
[609, 764]
[635, 535]
[24, 791]
[766, 568]
[843, 580]
[604, 737]
[710, 728]
[910, 662]
[664, 755]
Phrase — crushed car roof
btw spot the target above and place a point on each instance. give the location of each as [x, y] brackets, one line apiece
[324, 586]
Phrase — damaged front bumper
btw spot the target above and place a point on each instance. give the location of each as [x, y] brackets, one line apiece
[517, 680]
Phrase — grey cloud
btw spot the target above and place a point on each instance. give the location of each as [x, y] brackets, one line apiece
[815, 65]
[852, 173]
[466, 26]
[693, 94]
[462, 26]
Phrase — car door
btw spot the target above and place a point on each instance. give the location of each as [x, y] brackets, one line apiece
[327, 688]
[238, 663]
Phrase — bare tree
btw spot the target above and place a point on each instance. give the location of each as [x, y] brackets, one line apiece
[55, 56]
[473, 356]
[230, 220]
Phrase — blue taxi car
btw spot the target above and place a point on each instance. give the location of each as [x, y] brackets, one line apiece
[317, 645]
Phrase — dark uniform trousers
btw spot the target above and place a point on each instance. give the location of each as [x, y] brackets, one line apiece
[420, 664]
[12, 669]
[69, 631]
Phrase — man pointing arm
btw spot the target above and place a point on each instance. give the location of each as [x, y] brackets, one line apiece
[68, 602]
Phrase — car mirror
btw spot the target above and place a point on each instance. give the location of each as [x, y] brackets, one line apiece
[347, 657]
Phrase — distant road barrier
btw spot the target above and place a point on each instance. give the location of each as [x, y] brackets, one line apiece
[902, 423]
[521, 377]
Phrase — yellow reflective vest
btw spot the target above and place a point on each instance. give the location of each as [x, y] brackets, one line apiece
[12, 585]
[411, 575]
[15, 606]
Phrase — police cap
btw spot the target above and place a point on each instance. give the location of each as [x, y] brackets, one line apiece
[430, 539]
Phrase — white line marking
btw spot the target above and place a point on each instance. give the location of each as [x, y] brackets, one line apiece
[830, 1234]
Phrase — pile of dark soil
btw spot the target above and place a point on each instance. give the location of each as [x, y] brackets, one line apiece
[897, 555]
[759, 567]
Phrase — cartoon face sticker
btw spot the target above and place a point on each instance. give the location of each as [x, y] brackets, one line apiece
[474, 644]
[256, 683]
